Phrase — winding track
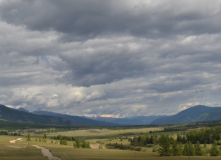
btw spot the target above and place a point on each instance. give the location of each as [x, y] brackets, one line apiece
[44, 151]
[47, 153]
[14, 141]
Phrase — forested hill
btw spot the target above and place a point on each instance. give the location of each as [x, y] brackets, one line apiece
[22, 116]
[77, 118]
[193, 114]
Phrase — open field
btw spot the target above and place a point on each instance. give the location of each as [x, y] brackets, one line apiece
[18, 151]
[103, 133]
[21, 150]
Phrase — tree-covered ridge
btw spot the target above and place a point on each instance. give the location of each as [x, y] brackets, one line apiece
[205, 135]
[194, 114]
[185, 143]
[21, 116]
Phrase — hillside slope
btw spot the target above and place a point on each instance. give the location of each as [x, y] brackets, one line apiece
[76, 118]
[13, 126]
[22, 116]
[193, 114]
[139, 120]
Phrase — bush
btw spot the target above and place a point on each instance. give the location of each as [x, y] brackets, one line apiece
[149, 145]
[138, 148]
[100, 142]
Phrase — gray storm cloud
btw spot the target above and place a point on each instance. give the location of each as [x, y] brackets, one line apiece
[120, 57]
[88, 19]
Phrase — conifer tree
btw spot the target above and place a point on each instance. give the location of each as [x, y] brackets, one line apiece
[191, 149]
[175, 148]
[214, 151]
[165, 145]
[83, 143]
[198, 149]
[180, 149]
[186, 150]
[28, 138]
[78, 143]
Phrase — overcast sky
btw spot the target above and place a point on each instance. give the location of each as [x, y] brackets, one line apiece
[116, 58]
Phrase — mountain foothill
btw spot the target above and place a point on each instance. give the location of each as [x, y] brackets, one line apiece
[193, 114]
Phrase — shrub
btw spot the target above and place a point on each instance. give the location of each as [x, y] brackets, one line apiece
[138, 148]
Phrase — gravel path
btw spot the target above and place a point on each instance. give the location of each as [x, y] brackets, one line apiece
[96, 146]
[47, 153]
[14, 141]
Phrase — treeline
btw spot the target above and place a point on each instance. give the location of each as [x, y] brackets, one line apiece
[58, 137]
[170, 147]
[144, 140]
[81, 143]
[5, 132]
[77, 142]
[205, 135]
[123, 146]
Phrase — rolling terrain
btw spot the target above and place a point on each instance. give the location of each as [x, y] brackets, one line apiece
[23, 116]
[76, 118]
[193, 114]
[139, 120]
[44, 117]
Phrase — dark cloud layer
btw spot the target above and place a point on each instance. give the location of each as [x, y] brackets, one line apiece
[83, 19]
[117, 58]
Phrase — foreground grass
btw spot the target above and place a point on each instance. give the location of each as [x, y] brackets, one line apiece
[92, 154]
[103, 133]
[18, 151]
[22, 151]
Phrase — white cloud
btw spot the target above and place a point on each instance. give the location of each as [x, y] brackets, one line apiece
[150, 57]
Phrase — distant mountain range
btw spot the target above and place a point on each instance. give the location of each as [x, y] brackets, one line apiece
[24, 116]
[24, 110]
[44, 117]
[90, 122]
[193, 114]
[139, 120]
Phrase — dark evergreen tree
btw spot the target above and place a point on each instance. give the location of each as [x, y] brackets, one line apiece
[78, 143]
[28, 138]
[214, 151]
[191, 149]
[198, 149]
[186, 150]
[175, 148]
[165, 145]
[83, 143]
[180, 149]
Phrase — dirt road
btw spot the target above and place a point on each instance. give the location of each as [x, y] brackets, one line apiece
[96, 146]
[47, 153]
[14, 141]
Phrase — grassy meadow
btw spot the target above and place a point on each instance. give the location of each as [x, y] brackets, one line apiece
[21, 150]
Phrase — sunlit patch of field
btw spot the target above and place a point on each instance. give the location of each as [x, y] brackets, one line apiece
[105, 154]
[18, 151]
[22, 151]
[99, 133]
